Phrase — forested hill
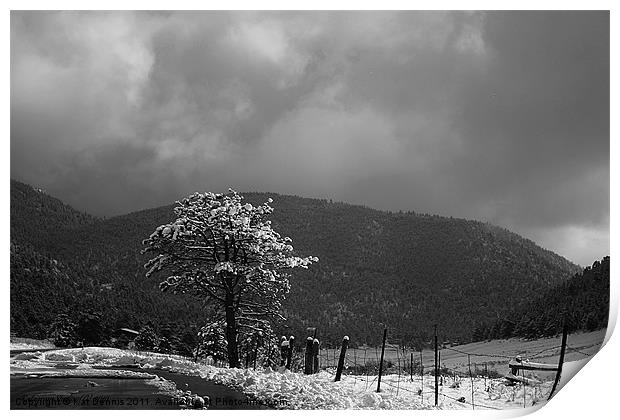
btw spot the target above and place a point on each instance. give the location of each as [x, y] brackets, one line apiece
[34, 215]
[404, 270]
[61, 265]
[582, 302]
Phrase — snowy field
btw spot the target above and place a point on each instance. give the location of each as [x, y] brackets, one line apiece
[495, 353]
[284, 389]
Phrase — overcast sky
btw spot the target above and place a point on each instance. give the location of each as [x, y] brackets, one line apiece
[499, 117]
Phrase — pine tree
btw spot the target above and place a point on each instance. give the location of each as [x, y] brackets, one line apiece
[226, 251]
[147, 339]
[62, 331]
[89, 329]
[212, 341]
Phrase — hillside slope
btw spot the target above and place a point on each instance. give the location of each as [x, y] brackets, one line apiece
[582, 302]
[35, 214]
[404, 270]
[53, 272]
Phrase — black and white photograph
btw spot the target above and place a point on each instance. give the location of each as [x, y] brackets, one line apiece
[306, 209]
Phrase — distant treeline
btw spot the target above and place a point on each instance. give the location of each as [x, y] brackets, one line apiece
[582, 302]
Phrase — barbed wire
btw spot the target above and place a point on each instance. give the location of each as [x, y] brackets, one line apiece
[467, 402]
[349, 363]
[441, 393]
[506, 356]
[544, 350]
[579, 351]
[401, 389]
[502, 356]
[362, 365]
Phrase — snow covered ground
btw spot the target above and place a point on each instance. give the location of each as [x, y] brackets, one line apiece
[285, 389]
[30, 344]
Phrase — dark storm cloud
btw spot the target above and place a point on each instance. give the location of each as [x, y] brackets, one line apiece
[541, 112]
[502, 117]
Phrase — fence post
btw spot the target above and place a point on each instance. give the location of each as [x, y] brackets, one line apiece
[422, 375]
[289, 356]
[436, 370]
[315, 355]
[284, 351]
[439, 364]
[471, 378]
[343, 353]
[398, 383]
[381, 362]
[561, 362]
[366, 366]
[411, 367]
[308, 358]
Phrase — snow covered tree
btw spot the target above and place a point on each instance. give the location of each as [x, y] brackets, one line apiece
[226, 251]
[212, 341]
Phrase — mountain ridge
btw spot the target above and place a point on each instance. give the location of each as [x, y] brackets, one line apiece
[376, 267]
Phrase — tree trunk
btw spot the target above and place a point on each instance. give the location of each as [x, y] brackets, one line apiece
[231, 332]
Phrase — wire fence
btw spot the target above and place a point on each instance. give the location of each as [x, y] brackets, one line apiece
[477, 380]
[579, 351]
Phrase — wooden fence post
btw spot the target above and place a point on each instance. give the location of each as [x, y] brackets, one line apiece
[366, 365]
[284, 350]
[315, 355]
[422, 375]
[343, 353]
[398, 382]
[436, 370]
[471, 378]
[289, 356]
[439, 364]
[381, 362]
[561, 362]
[308, 358]
[411, 367]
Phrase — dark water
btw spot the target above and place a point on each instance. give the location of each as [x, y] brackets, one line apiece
[85, 394]
[120, 394]
[222, 397]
